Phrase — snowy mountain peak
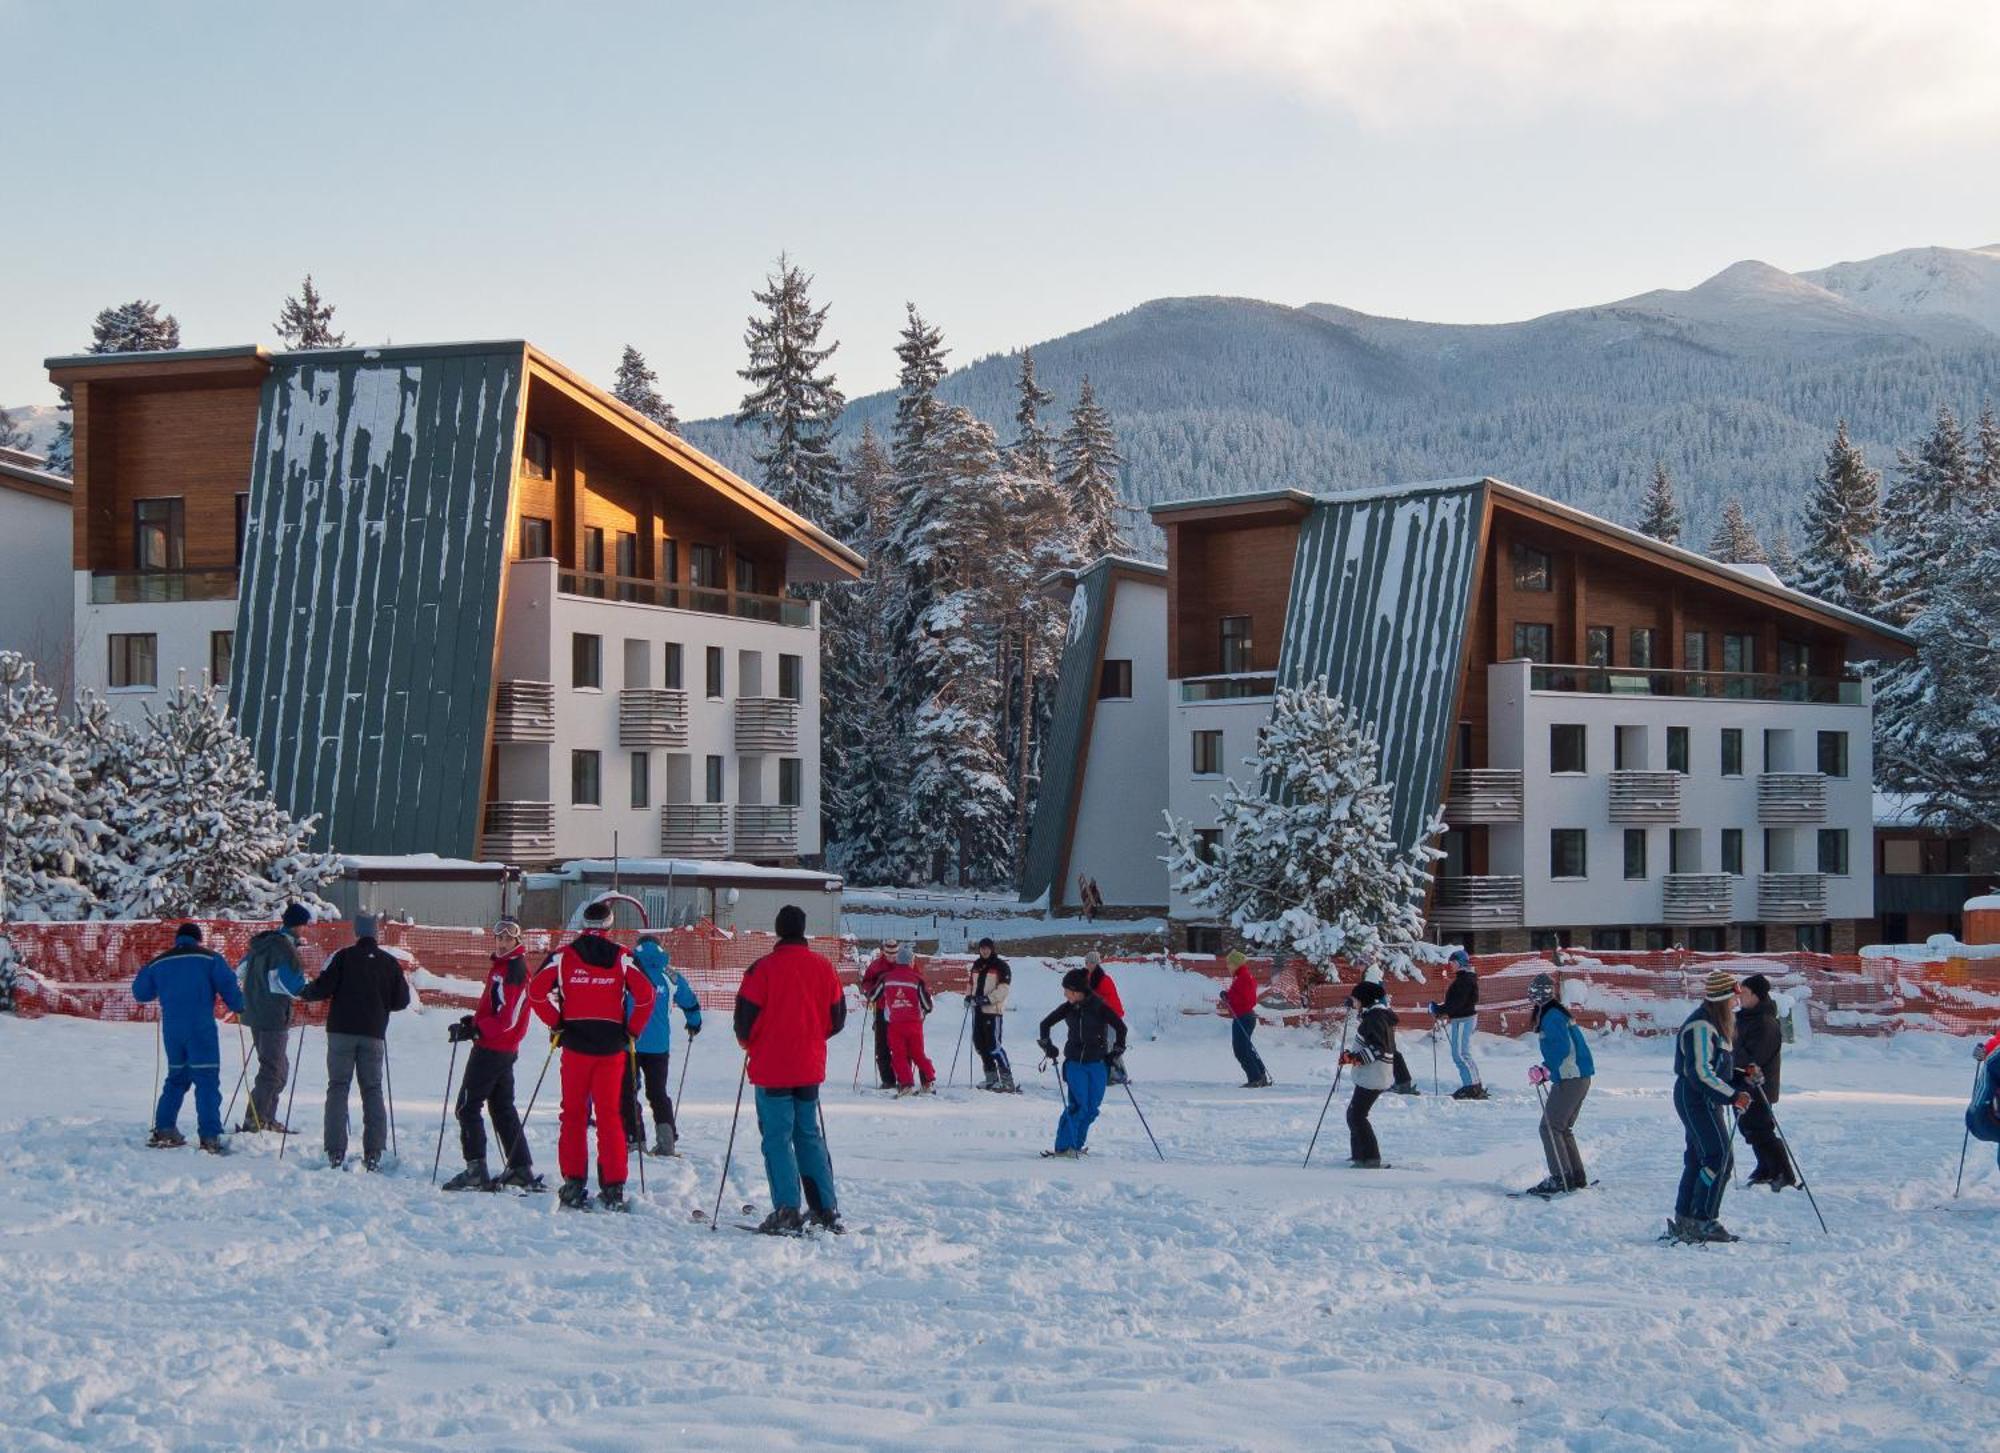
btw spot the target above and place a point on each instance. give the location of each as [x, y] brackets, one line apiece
[1921, 283]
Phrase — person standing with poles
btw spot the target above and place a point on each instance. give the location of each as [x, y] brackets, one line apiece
[1460, 1013]
[1982, 1116]
[362, 986]
[789, 1005]
[652, 1051]
[186, 980]
[1704, 1071]
[992, 982]
[904, 999]
[495, 1031]
[1760, 1047]
[885, 959]
[1095, 1040]
[1373, 1058]
[1239, 1002]
[272, 979]
[1566, 1069]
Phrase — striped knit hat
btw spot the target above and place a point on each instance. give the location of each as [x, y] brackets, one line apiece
[1721, 985]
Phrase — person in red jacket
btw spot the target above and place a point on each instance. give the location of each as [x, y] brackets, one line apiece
[1239, 1002]
[495, 1030]
[580, 992]
[1102, 986]
[903, 997]
[884, 960]
[789, 1005]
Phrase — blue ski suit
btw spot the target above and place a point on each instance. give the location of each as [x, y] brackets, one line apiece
[187, 980]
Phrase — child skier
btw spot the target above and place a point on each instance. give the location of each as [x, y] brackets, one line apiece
[992, 981]
[652, 1052]
[1760, 1045]
[1096, 1037]
[1373, 1058]
[495, 1030]
[1567, 1069]
[187, 980]
[1239, 1002]
[1703, 1067]
[1460, 1013]
[904, 997]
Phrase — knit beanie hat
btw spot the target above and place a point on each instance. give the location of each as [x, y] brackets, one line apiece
[1093, 959]
[791, 921]
[597, 915]
[1367, 993]
[364, 925]
[1541, 988]
[1078, 980]
[1236, 959]
[907, 954]
[188, 933]
[297, 915]
[1460, 957]
[1758, 985]
[1721, 985]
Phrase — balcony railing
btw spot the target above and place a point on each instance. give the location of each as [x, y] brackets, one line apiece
[1646, 797]
[519, 832]
[1698, 898]
[777, 609]
[1474, 903]
[1717, 685]
[695, 829]
[1484, 794]
[1252, 687]
[1791, 897]
[148, 587]
[652, 716]
[1791, 799]
[767, 724]
[766, 831]
[525, 711]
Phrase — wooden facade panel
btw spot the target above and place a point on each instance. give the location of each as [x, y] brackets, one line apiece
[191, 443]
[1228, 572]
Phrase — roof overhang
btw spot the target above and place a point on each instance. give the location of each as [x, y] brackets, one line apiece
[41, 483]
[177, 367]
[1271, 506]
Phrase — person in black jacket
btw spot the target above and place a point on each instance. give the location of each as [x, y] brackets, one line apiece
[1760, 1045]
[1096, 1038]
[362, 985]
[992, 981]
[1373, 1057]
[1460, 1013]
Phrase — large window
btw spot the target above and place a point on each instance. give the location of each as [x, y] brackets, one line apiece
[1732, 751]
[538, 538]
[670, 560]
[1207, 754]
[1732, 850]
[1567, 857]
[1597, 646]
[159, 535]
[713, 674]
[628, 553]
[1677, 749]
[135, 661]
[705, 566]
[1694, 651]
[585, 789]
[537, 458]
[750, 577]
[791, 782]
[1833, 851]
[1739, 653]
[1833, 753]
[1644, 639]
[1235, 644]
[221, 656]
[791, 677]
[1750, 938]
[1611, 940]
[593, 550]
[670, 668]
[1534, 641]
[586, 661]
[1114, 681]
[642, 779]
[1635, 852]
[712, 779]
[1532, 568]
[1566, 748]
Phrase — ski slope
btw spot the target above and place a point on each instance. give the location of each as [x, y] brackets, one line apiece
[1227, 1299]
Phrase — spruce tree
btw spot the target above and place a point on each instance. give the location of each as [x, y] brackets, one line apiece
[637, 387]
[1034, 447]
[12, 435]
[1927, 504]
[792, 398]
[1660, 512]
[1734, 542]
[62, 447]
[1087, 464]
[134, 327]
[1842, 515]
[921, 353]
[45, 841]
[306, 321]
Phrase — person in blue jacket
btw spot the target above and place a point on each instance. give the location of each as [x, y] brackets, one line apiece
[1982, 1116]
[1566, 1069]
[653, 1051]
[1704, 1074]
[186, 980]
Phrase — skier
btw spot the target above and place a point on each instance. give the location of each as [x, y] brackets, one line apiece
[1460, 1013]
[653, 1053]
[884, 960]
[1703, 1067]
[1095, 1041]
[789, 1005]
[903, 998]
[1982, 1116]
[1373, 1058]
[1239, 1002]
[594, 1000]
[272, 979]
[1102, 986]
[363, 986]
[187, 980]
[992, 981]
[495, 1030]
[1760, 1044]
[1567, 1068]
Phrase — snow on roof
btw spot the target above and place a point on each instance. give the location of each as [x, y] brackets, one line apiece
[1985, 903]
[1756, 570]
[14, 475]
[690, 869]
[365, 865]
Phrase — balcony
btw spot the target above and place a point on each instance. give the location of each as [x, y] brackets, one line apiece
[695, 830]
[767, 724]
[1791, 897]
[525, 711]
[1791, 799]
[636, 590]
[519, 832]
[1484, 794]
[652, 716]
[1254, 686]
[1463, 904]
[1710, 685]
[150, 587]
[1641, 798]
[764, 831]
[1698, 898]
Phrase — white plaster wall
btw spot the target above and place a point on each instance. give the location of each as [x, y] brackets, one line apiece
[183, 628]
[1191, 798]
[37, 600]
[1124, 786]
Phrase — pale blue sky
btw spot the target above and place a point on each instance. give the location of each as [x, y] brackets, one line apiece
[588, 175]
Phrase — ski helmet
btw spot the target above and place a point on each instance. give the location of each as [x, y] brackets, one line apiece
[1541, 989]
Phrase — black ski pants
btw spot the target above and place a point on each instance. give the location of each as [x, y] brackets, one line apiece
[986, 1042]
[1760, 1133]
[489, 1086]
[885, 1066]
[1361, 1143]
[653, 1067]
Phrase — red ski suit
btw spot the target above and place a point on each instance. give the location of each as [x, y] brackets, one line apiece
[905, 999]
[502, 1016]
[580, 992]
[1242, 992]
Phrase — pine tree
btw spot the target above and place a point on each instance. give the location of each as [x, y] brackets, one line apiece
[134, 327]
[45, 843]
[1660, 512]
[637, 387]
[306, 321]
[1309, 864]
[1034, 447]
[1087, 465]
[103, 765]
[1927, 505]
[12, 435]
[1734, 542]
[1841, 517]
[921, 353]
[62, 448]
[792, 398]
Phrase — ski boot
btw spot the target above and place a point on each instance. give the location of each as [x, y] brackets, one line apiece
[165, 1140]
[335, 1162]
[1372, 1163]
[1408, 1087]
[992, 1080]
[251, 1127]
[372, 1164]
[472, 1178]
[903, 1092]
[520, 1178]
[827, 1221]
[1062, 1155]
[664, 1140]
[1262, 1082]
[928, 1087]
[1007, 1085]
[214, 1145]
[1470, 1092]
[1549, 1187]
[1577, 1182]
[1683, 1231]
[574, 1195]
[783, 1221]
[612, 1198]
[1714, 1232]
[1782, 1179]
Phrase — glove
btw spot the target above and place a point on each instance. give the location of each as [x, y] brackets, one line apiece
[1741, 1102]
[694, 1029]
[1538, 1074]
[1979, 1052]
[461, 1031]
[555, 1037]
[1349, 1057]
[1437, 1011]
[1754, 1075]
[1048, 1050]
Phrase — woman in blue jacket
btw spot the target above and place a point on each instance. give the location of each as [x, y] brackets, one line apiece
[1566, 1069]
[1704, 1070]
[187, 980]
[650, 1056]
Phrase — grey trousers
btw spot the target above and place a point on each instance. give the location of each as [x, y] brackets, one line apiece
[348, 1057]
[1558, 1126]
[274, 1068]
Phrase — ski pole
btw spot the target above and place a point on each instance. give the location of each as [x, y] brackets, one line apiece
[1332, 1089]
[860, 1044]
[389, 1081]
[820, 1105]
[1978, 1069]
[538, 1088]
[449, 1070]
[1142, 1118]
[632, 1063]
[681, 1089]
[1779, 1131]
[159, 1039]
[963, 1020]
[1437, 1086]
[729, 1151]
[244, 1050]
[292, 1095]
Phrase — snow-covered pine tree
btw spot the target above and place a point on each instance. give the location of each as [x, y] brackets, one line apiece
[1308, 863]
[1034, 448]
[792, 397]
[1039, 540]
[1087, 465]
[921, 353]
[134, 327]
[12, 435]
[44, 841]
[306, 321]
[638, 388]
[1841, 516]
[1929, 499]
[1986, 473]
[1734, 542]
[103, 765]
[1660, 512]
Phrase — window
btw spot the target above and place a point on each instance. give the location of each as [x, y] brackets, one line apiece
[1732, 751]
[1628, 748]
[791, 677]
[1464, 759]
[1776, 742]
[1750, 938]
[586, 662]
[1235, 644]
[1534, 641]
[1833, 753]
[135, 661]
[158, 535]
[1611, 940]
[1707, 940]
[750, 577]
[583, 779]
[1205, 938]
[593, 550]
[705, 566]
[1456, 845]
[670, 669]
[537, 458]
[1739, 653]
[1114, 681]
[1677, 750]
[628, 553]
[712, 779]
[670, 560]
[642, 779]
[1635, 852]
[1833, 851]
[1207, 754]
[1794, 658]
[1597, 646]
[1694, 651]
[1813, 938]
[713, 683]
[1542, 940]
[1659, 940]
[1683, 850]
[1643, 639]
[1208, 842]
[1776, 858]
[538, 538]
[1732, 850]
[242, 526]
[1566, 749]
[1532, 570]
[791, 781]
[221, 656]
[1567, 858]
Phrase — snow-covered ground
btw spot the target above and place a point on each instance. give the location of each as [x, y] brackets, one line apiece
[1227, 1299]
